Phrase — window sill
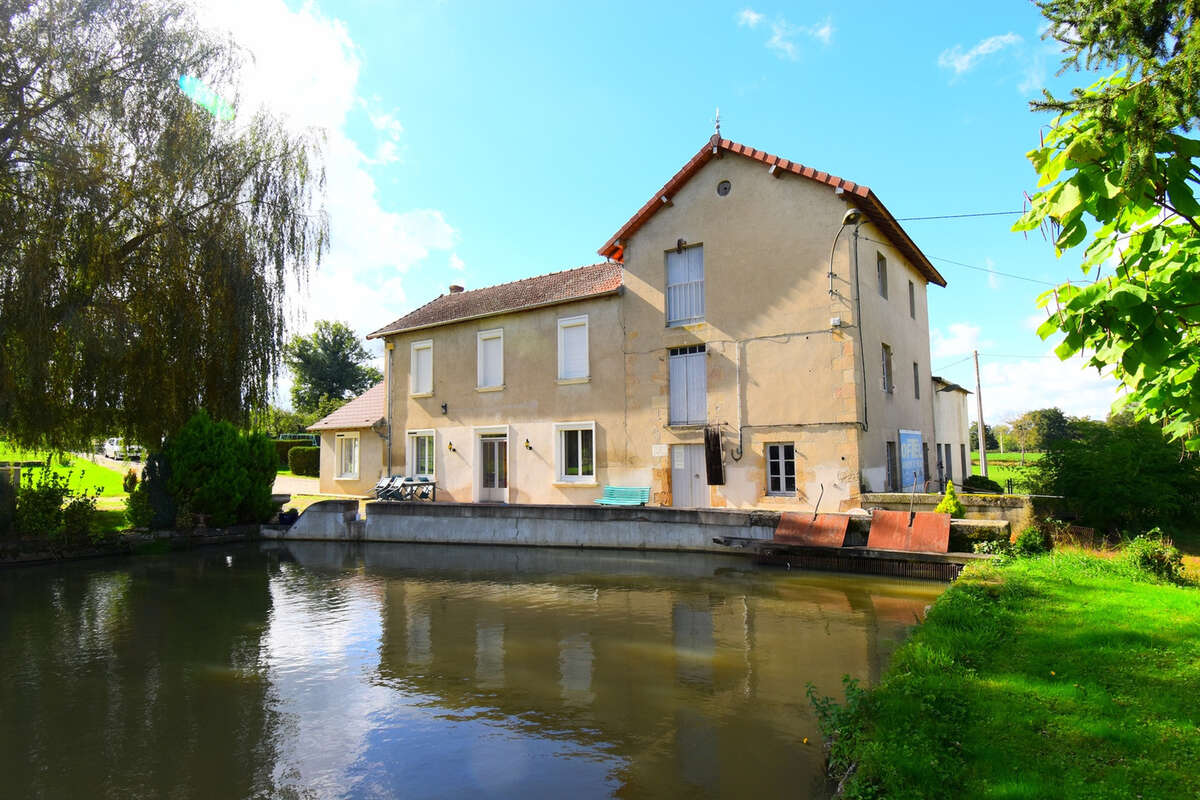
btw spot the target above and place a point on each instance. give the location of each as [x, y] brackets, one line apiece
[573, 381]
[420, 394]
[575, 484]
[687, 425]
[499, 388]
[346, 478]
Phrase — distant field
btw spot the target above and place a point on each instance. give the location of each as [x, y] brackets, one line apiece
[84, 475]
[996, 455]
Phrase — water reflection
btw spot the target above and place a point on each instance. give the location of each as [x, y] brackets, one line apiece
[330, 670]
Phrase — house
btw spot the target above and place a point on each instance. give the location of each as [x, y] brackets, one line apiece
[952, 433]
[757, 337]
[353, 451]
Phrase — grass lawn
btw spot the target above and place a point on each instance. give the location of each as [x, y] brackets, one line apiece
[1000, 473]
[995, 456]
[1064, 676]
[83, 473]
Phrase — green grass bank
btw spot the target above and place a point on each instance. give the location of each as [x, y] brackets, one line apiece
[1065, 676]
[83, 474]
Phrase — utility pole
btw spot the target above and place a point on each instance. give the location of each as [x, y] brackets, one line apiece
[979, 408]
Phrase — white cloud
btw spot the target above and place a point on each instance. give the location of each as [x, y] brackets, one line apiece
[959, 339]
[1012, 387]
[961, 61]
[456, 263]
[749, 18]
[305, 68]
[784, 34]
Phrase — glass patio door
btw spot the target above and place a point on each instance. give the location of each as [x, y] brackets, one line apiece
[493, 467]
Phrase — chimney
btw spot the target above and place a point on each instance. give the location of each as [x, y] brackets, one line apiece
[455, 288]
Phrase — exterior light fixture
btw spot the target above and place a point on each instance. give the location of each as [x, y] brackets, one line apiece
[443, 408]
[528, 446]
[450, 447]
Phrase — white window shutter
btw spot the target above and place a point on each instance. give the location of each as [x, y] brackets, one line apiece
[491, 352]
[574, 343]
[697, 388]
[679, 388]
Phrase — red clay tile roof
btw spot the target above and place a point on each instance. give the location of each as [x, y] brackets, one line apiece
[862, 197]
[361, 412]
[543, 290]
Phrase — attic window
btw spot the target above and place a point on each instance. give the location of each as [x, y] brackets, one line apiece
[723, 188]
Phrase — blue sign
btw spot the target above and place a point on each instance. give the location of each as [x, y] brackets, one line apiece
[912, 461]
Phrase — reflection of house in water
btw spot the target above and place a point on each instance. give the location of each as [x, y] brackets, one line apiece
[686, 677]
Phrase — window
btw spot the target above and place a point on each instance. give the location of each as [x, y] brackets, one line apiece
[781, 468]
[576, 451]
[685, 286]
[925, 462]
[916, 381]
[912, 300]
[419, 457]
[948, 460]
[491, 359]
[881, 274]
[420, 368]
[893, 469]
[966, 465]
[688, 375]
[573, 348]
[347, 455]
[887, 381]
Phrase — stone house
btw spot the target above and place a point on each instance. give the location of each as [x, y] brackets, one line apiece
[757, 337]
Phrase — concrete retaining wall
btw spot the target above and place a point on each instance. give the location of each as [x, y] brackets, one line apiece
[637, 528]
[1015, 509]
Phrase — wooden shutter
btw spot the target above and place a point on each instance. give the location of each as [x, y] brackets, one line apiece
[697, 387]
[714, 459]
[422, 370]
[685, 286]
[491, 361]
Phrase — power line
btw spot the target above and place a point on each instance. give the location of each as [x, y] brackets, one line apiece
[974, 267]
[961, 216]
[994, 355]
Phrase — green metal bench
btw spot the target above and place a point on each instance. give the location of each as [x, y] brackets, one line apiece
[624, 496]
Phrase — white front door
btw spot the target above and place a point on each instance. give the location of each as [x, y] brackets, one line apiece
[689, 482]
[493, 468]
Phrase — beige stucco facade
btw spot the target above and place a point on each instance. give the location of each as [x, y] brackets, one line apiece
[372, 458]
[787, 359]
[952, 426]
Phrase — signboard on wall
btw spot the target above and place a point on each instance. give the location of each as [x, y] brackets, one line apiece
[912, 464]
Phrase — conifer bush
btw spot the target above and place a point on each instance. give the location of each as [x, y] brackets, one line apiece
[950, 503]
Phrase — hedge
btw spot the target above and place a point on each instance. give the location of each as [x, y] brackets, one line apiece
[283, 447]
[305, 461]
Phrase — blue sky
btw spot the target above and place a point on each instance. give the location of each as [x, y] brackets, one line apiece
[477, 143]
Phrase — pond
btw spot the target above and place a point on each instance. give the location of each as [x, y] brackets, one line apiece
[313, 669]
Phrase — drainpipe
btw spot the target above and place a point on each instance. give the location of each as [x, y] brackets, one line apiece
[388, 349]
[862, 344]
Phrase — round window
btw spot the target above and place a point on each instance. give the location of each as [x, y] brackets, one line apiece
[723, 188]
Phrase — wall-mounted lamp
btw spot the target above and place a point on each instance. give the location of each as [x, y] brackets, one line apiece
[450, 447]
[528, 446]
[444, 408]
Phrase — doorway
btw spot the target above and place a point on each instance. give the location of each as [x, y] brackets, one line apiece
[493, 468]
[689, 481]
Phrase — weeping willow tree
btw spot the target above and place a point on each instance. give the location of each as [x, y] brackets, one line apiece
[146, 244]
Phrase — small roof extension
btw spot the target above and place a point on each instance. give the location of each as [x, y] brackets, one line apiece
[361, 412]
[594, 280]
[862, 197]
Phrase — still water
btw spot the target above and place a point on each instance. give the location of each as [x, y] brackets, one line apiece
[334, 670]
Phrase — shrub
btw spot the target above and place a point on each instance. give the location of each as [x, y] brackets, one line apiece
[8, 506]
[981, 485]
[282, 448]
[950, 503]
[968, 539]
[139, 512]
[305, 461]
[1032, 541]
[1154, 554]
[129, 482]
[156, 479]
[39, 504]
[259, 460]
[79, 519]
